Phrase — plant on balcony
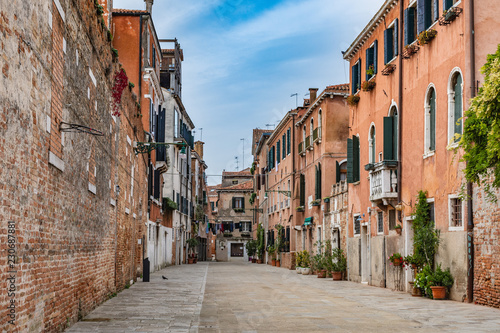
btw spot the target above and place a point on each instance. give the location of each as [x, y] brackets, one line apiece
[368, 85]
[316, 202]
[300, 208]
[239, 210]
[388, 69]
[252, 198]
[326, 199]
[353, 100]
[426, 36]
[252, 169]
[169, 204]
[228, 234]
[410, 50]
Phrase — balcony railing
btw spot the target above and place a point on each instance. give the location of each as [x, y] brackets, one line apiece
[383, 181]
[301, 148]
[317, 135]
[308, 142]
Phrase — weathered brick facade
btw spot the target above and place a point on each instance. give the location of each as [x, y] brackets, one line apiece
[70, 231]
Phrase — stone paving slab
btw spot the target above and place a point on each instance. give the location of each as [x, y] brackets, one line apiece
[243, 297]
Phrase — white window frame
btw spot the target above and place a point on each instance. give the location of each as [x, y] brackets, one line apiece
[427, 121]
[451, 108]
[383, 227]
[450, 210]
[354, 217]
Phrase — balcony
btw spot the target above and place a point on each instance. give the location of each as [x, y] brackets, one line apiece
[308, 142]
[383, 182]
[317, 135]
[302, 151]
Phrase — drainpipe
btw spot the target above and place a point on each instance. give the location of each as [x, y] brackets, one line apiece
[292, 189]
[400, 100]
[470, 221]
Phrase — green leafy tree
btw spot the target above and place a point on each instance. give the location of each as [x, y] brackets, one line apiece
[481, 139]
[425, 235]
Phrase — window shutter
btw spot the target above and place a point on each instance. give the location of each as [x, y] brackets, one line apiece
[359, 75]
[428, 14]
[319, 181]
[432, 143]
[316, 182]
[288, 141]
[337, 171]
[234, 203]
[150, 181]
[406, 25]
[458, 107]
[411, 25]
[250, 227]
[420, 16]
[350, 157]
[368, 51]
[387, 45]
[396, 34]
[258, 176]
[388, 144]
[283, 151]
[243, 203]
[395, 137]
[302, 190]
[356, 162]
[436, 10]
[354, 76]
[263, 175]
[240, 226]
[278, 155]
[375, 55]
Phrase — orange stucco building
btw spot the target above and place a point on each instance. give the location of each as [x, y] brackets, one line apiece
[412, 71]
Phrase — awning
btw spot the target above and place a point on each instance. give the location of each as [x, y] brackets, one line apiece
[308, 221]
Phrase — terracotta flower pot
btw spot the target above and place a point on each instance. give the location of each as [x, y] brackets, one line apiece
[278, 263]
[438, 292]
[190, 260]
[259, 261]
[322, 274]
[273, 262]
[397, 262]
[415, 291]
[254, 260]
[337, 276]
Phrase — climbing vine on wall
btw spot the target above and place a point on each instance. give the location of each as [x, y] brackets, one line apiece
[481, 139]
[121, 81]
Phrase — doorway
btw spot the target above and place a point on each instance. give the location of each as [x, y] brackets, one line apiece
[365, 251]
[237, 250]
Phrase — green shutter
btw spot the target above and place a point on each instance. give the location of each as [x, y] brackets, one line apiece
[278, 151]
[395, 137]
[350, 160]
[288, 141]
[396, 34]
[243, 203]
[375, 56]
[316, 179]
[319, 181]
[458, 108]
[369, 61]
[388, 136]
[427, 14]
[432, 127]
[337, 171]
[302, 190]
[234, 203]
[354, 78]
[356, 160]
[436, 11]
[447, 4]
[406, 26]
[388, 45]
[420, 16]
[283, 152]
[359, 76]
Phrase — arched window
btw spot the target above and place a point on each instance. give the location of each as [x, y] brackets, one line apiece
[311, 129]
[455, 106]
[320, 123]
[430, 120]
[304, 134]
[371, 145]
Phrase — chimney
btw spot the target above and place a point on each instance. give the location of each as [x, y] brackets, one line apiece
[198, 147]
[149, 6]
[312, 95]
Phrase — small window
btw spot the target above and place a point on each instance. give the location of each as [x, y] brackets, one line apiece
[356, 77]
[431, 212]
[380, 222]
[235, 182]
[246, 226]
[357, 225]
[430, 121]
[372, 145]
[456, 212]
[392, 219]
[238, 203]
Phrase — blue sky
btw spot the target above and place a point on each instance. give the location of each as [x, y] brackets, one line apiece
[243, 59]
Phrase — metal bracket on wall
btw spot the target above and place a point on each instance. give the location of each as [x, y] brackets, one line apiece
[147, 147]
[75, 128]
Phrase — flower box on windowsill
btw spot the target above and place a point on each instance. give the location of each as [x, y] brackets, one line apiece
[450, 15]
[368, 85]
[316, 202]
[326, 200]
[228, 234]
[426, 36]
[389, 68]
[353, 100]
[300, 209]
[239, 210]
[410, 50]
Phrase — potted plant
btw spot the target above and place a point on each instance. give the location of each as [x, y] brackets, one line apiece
[260, 243]
[388, 69]
[398, 229]
[368, 85]
[396, 259]
[326, 199]
[271, 250]
[413, 261]
[371, 70]
[338, 264]
[426, 36]
[251, 247]
[300, 209]
[306, 263]
[316, 202]
[440, 281]
[298, 262]
[353, 100]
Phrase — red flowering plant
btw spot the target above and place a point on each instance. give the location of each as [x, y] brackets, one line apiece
[121, 81]
[396, 259]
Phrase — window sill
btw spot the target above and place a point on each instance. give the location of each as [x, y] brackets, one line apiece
[453, 146]
[456, 228]
[429, 154]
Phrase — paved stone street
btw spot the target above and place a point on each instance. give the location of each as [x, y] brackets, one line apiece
[242, 297]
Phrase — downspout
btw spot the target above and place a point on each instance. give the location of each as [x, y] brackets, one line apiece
[140, 60]
[400, 99]
[470, 221]
[292, 190]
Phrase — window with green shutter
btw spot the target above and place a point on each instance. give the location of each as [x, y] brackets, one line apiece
[457, 108]
[432, 123]
[389, 153]
[391, 42]
[356, 77]
[302, 190]
[283, 151]
[371, 60]
[278, 155]
[427, 14]
[410, 25]
[288, 133]
[353, 160]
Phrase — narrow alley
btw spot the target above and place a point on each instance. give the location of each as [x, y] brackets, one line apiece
[241, 297]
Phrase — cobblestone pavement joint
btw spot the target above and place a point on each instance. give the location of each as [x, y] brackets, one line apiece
[243, 297]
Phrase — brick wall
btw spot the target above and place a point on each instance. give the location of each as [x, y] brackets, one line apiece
[67, 237]
[486, 249]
